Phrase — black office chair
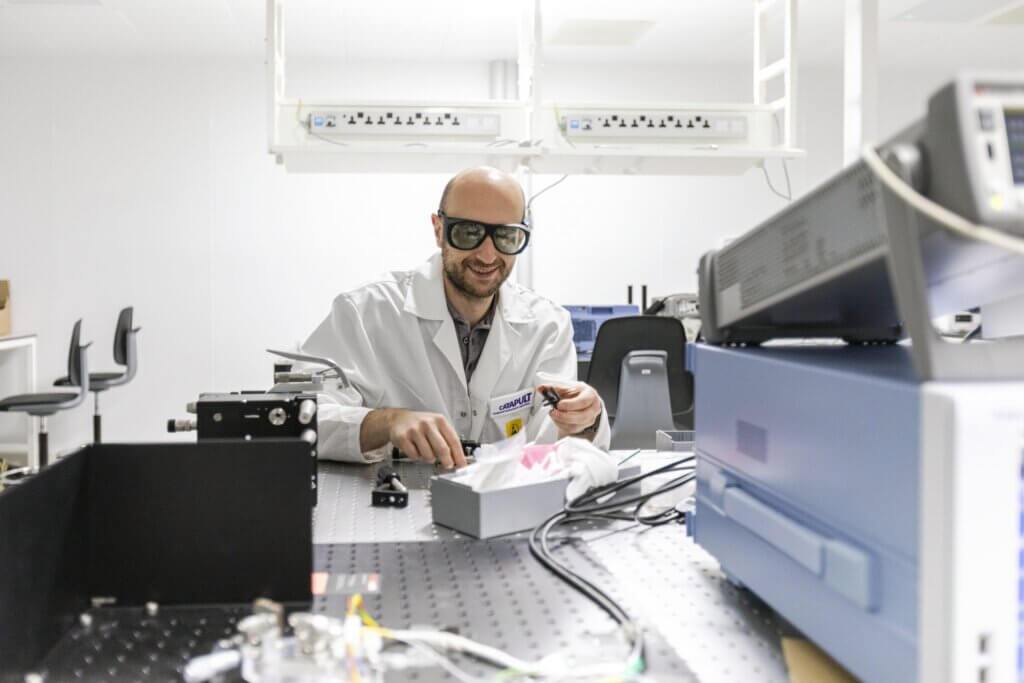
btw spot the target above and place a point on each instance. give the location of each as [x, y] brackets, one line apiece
[638, 368]
[43, 405]
[124, 354]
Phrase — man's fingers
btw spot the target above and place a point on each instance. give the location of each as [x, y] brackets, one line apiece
[574, 419]
[408, 447]
[579, 420]
[452, 439]
[580, 402]
[423, 446]
[437, 443]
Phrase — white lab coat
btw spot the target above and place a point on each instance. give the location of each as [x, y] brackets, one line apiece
[396, 342]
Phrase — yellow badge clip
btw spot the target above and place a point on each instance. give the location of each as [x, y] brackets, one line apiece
[513, 427]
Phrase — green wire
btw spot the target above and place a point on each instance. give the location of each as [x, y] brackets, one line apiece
[629, 456]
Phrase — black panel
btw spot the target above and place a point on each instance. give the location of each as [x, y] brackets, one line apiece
[200, 523]
[42, 562]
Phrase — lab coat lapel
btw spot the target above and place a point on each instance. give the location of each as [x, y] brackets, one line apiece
[447, 343]
[425, 300]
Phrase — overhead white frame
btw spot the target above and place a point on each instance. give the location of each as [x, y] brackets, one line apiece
[304, 153]
[860, 77]
[784, 67]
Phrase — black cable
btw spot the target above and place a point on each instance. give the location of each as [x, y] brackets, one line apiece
[587, 507]
[540, 550]
[598, 492]
[617, 504]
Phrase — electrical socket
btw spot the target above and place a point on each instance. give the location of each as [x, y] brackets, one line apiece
[654, 125]
[404, 122]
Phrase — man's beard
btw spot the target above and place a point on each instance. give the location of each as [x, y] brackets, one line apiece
[456, 273]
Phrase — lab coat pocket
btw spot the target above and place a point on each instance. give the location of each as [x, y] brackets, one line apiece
[511, 412]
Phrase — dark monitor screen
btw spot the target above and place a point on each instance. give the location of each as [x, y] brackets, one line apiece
[1015, 138]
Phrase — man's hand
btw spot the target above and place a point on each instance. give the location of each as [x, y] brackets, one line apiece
[426, 436]
[578, 409]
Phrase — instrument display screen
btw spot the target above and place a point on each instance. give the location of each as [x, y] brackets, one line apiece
[1015, 138]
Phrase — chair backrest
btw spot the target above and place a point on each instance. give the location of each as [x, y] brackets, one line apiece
[644, 406]
[76, 369]
[618, 336]
[124, 327]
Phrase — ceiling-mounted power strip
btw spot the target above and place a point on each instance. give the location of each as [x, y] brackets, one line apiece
[404, 122]
[661, 125]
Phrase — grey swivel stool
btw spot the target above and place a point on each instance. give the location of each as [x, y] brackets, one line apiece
[42, 405]
[125, 355]
[638, 368]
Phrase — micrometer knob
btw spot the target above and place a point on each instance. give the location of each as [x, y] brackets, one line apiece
[307, 411]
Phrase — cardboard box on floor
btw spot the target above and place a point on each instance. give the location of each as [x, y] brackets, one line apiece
[5, 308]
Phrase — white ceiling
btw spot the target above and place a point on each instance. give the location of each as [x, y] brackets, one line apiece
[914, 33]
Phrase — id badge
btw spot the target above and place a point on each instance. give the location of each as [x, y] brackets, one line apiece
[512, 411]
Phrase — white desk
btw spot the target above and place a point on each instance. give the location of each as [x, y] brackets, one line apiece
[25, 344]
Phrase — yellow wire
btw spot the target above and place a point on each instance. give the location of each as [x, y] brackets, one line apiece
[354, 603]
[370, 621]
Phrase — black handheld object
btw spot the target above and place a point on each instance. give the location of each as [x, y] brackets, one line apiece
[551, 397]
[390, 491]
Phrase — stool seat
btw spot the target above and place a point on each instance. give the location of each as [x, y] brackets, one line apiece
[50, 399]
[95, 378]
[43, 405]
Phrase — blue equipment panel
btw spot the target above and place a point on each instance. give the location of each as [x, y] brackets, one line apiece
[807, 491]
[587, 320]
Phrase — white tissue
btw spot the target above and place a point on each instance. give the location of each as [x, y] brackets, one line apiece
[496, 465]
[513, 462]
[588, 465]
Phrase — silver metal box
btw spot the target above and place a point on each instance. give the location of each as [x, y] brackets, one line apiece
[485, 514]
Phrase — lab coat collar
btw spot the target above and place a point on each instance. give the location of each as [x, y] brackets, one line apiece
[426, 297]
[426, 300]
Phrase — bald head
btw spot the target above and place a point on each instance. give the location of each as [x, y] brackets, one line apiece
[485, 194]
[473, 276]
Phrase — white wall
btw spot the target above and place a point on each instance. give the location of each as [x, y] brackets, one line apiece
[146, 182]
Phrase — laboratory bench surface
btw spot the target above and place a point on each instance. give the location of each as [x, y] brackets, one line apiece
[701, 627]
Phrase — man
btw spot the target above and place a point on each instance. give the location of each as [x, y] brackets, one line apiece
[452, 349]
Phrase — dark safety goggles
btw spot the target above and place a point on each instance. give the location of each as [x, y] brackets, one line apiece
[464, 234]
